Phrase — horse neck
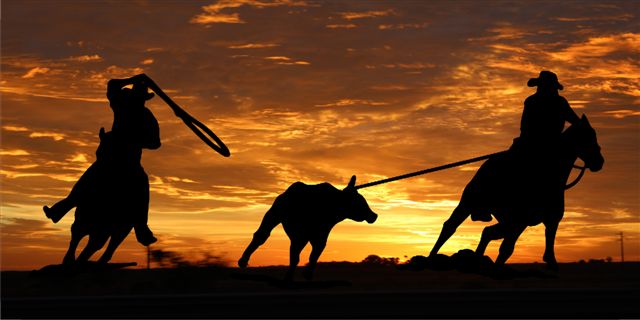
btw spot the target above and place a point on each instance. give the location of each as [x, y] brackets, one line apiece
[569, 154]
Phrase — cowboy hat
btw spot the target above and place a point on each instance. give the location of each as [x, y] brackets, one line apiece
[545, 77]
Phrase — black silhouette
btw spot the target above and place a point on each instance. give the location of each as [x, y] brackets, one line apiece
[308, 213]
[112, 196]
[467, 261]
[525, 186]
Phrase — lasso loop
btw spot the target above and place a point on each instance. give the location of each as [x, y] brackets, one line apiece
[196, 126]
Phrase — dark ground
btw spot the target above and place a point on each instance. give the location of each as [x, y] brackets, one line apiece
[340, 290]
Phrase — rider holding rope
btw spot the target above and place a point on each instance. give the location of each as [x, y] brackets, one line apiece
[117, 168]
[537, 149]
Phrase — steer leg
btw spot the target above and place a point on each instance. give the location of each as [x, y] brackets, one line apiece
[317, 246]
[271, 220]
[116, 239]
[296, 247]
[449, 227]
[512, 233]
[489, 234]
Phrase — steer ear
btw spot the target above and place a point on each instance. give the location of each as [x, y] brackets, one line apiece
[352, 183]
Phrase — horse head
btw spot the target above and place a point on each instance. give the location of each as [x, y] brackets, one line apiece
[585, 143]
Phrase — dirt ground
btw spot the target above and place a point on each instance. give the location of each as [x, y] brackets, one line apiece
[339, 290]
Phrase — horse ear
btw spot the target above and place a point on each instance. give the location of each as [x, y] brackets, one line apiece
[585, 120]
[352, 183]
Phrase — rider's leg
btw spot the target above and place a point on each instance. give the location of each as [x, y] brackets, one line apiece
[60, 209]
[449, 227]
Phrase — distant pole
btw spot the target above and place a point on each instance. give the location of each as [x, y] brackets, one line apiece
[621, 246]
[148, 257]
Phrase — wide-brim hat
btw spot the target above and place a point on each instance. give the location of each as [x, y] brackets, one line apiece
[141, 90]
[546, 77]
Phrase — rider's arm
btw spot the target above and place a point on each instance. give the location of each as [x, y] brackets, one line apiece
[152, 131]
[569, 115]
[115, 85]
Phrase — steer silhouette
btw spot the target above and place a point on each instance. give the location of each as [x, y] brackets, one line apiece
[308, 213]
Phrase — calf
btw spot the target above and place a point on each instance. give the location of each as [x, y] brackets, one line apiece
[308, 213]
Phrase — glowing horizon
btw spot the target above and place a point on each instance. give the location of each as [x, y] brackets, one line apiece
[314, 91]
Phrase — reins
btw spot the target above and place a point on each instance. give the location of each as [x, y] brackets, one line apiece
[196, 126]
[574, 182]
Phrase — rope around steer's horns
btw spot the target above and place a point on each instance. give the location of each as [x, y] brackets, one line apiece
[196, 126]
[457, 164]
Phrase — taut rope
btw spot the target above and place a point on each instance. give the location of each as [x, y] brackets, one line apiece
[425, 171]
[457, 164]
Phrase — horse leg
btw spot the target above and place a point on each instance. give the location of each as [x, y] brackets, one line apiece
[294, 256]
[96, 242]
[270, 221]
[317, 246]
[550, 237]
[511, 235]
[449, 228]
[76, 236]
[116, 239]
[490, 233]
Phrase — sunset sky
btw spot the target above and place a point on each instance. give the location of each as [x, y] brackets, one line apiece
[314, 91]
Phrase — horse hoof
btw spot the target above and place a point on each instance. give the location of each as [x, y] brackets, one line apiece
[242, 263]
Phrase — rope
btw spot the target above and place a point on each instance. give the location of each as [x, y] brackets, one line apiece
[457, 164]
[196, 126]
[425, 171]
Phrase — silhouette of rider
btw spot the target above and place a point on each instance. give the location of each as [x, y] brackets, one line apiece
[118, 156]
[534, 154]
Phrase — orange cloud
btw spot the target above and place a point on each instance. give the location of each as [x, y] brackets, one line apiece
[253, 46]
[212, 13]
[402, 26]
[366, 14]
[14, 152]
[86, 58]
[351, 102]
[35, 71]
[621, 114]
[341, 26]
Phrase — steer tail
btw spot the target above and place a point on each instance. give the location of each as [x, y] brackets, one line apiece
[271, 219]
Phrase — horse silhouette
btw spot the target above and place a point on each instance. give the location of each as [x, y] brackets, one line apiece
[104, 210]
[499, 188]
[112, 196]
[308, 213]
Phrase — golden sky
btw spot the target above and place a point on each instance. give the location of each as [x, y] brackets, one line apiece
[314, 91]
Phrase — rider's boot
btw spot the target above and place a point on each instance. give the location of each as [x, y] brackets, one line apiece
[481, 215]
[58, 210]
[144, 235]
